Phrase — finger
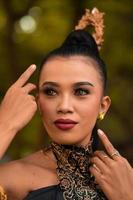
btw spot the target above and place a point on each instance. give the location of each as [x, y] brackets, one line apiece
[107, 144]
[100, 164]
[103, 156]
[29, 87]
[95, 166]
[96, 174]
[100, 179]
[32, 97]
[25, 76]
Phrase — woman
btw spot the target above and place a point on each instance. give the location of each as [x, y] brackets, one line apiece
[71, 98]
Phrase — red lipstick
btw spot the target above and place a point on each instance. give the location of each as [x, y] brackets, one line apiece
[65, 124]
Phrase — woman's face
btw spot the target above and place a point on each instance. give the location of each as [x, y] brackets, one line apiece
[70, 99]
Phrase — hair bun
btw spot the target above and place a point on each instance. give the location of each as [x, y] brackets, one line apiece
[81, 39]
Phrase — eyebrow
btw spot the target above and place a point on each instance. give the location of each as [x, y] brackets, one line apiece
[75, 84]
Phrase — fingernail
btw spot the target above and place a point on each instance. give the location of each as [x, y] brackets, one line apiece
[100, 132]
[33, 66]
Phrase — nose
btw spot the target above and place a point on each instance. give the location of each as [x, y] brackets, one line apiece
[65, 105]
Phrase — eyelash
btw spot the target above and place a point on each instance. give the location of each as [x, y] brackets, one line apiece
[84, 92]
[78, 92]
[47, 90]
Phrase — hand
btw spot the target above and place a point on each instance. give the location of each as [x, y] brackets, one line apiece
[18, 106]
[112, 171]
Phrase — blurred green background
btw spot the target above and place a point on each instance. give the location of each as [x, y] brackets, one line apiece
[31, 28]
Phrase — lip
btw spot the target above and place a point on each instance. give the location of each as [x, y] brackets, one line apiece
[65, 121]
[65, 124]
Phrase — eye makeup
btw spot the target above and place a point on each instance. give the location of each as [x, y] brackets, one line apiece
[49, 91]
[50, 88]
[81, 92]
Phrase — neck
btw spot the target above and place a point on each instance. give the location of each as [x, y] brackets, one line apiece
[76, 157]
[73, 164]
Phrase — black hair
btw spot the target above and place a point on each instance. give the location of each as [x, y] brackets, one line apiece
[80, 42]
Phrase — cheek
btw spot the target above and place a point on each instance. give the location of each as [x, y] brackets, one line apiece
[45, 107]
[90, 109]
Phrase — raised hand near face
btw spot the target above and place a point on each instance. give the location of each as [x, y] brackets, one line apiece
[18, 105]
[113, 172]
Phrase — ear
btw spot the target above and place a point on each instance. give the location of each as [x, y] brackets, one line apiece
[105, 104]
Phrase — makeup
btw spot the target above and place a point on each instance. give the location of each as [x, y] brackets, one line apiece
[65, 124]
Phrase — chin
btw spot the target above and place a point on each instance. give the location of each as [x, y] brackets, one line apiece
[71, 137]
[69, 140]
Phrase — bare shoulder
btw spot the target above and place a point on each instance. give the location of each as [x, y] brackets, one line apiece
[26, 174]
[13, 178]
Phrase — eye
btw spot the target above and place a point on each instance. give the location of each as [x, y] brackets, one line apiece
[81, 92]
[49, 91]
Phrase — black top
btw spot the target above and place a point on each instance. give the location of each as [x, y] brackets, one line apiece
[52, 192]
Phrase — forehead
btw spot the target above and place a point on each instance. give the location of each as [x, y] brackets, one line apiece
[70, 69]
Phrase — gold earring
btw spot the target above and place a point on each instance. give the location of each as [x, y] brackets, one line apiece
[101, 116]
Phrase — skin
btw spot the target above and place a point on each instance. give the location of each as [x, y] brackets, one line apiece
[68, 101]
[113, 173]
[21, 176]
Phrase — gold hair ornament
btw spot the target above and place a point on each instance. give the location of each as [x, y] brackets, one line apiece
[93, 18]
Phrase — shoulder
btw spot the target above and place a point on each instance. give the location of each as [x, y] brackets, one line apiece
[26, 174]
[13, 177]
